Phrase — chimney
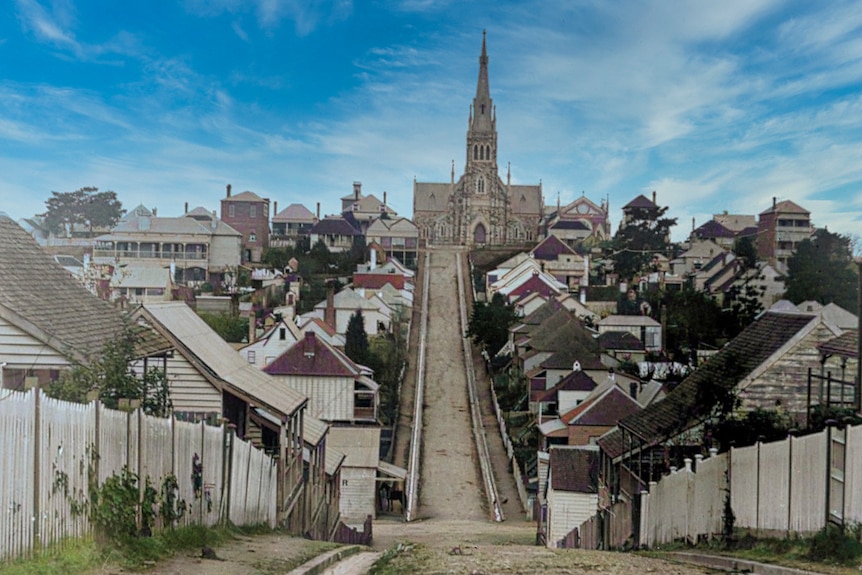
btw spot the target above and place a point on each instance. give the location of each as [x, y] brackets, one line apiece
[357, 190]
[318, 210]
[228, 190]
[329, 312]
[274, 208]
[633, 389]
[373, 258]
[653, 196]
[310, 344]
[155, 212]
[774, 202]
[384, 197]
[186, 208]
[692, 225]
[252, 327]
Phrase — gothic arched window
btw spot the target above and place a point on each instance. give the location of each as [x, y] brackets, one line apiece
[475, 152]
[480, 186]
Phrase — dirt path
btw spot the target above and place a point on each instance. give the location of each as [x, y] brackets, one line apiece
[449, 485]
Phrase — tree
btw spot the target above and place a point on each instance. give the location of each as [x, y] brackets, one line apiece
[489, 323]
[646, 233]
[822, 269]
[746, 251]
[109, 376]
[86, 206]
[356, 340]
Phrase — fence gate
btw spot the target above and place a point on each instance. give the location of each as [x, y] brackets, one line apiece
[835, 481]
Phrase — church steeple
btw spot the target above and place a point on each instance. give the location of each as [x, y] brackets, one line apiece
[482, 131]
[483, 120]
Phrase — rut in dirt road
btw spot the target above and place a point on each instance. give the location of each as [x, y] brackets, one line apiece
[450, 484]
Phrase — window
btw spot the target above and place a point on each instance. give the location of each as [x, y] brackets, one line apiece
[251, 357]
[231, 210]
[282, 333]
[252, 211]
[252, 237]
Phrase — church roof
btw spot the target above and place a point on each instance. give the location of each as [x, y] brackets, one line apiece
[526, 200]
[430, 197]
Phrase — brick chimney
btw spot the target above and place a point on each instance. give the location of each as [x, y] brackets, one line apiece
[186, 208]
[329, 312]
[653, 196]
[275, 208]
[357, 190]
[310, 344]
[228, 190]
[318, 210]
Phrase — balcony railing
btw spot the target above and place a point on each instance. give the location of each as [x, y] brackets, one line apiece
[149, 254]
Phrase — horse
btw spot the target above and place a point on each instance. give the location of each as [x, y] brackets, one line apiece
[397, 494]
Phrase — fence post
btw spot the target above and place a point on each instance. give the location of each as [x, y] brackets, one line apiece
[228, 484]
[37, 472]
[203, 467]
[789, 483]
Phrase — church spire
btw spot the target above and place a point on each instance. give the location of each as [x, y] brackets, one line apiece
[482, 104]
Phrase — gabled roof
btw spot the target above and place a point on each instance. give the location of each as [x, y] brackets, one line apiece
[39, 297]
[218, 361]
[574, 469]
[845, 345]
[640, 202]
[245, 196]
[785, 207]
[605, 408]
[713, 229]
[551, 248]
[620, 340]
[575, 381]
[295, 213]
[350, 300]
[334, 225]
[730, 367]
[314, 357]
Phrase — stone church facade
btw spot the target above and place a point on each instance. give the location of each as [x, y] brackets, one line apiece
[479, 208]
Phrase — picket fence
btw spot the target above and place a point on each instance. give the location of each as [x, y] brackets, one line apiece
[50, 448]
[790, 487]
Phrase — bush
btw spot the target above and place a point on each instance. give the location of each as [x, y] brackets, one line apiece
[834, 545]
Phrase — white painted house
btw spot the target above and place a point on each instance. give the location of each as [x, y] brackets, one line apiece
[572, 490]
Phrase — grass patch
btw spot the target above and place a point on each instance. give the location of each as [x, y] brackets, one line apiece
[85, 555]
[281, 566]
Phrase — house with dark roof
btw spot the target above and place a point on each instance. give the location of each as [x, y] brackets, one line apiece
[562, 262]
[643, 327]
[620, 346]
[571, 493]
[338, 389]
[336, 232]
[766, 366]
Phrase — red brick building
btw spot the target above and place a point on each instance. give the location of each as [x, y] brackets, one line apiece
[248, 214]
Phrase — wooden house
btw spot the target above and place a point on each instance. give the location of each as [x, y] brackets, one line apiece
[277, 339]
[362, 471]
[571, 492]
[213, 376]
[48, 321]
[338, 389]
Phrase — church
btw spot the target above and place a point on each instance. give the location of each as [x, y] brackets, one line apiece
[478, 209]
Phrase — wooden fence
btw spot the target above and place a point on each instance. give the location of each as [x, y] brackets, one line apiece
[49, 449]
[784, 488]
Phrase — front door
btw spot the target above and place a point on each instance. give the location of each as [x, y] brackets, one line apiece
[479, 234]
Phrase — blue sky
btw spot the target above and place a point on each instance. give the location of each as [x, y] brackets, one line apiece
[714, 105]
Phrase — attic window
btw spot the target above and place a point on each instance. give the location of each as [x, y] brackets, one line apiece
[251, 357]
[282, 333]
